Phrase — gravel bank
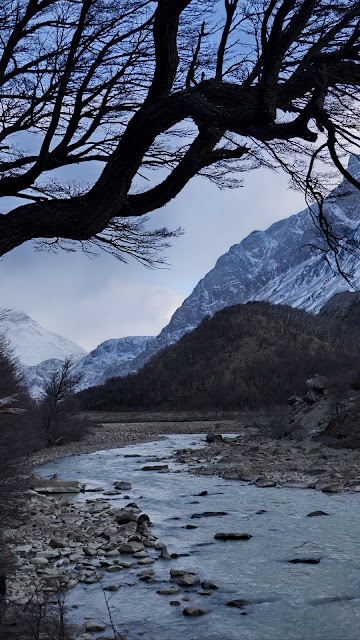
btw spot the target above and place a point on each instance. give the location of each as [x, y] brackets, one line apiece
[121, 434]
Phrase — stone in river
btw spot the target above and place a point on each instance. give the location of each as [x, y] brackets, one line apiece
[209, 514]
[112, 587]
[179, 572]
[232, 536]
[174, 603]
[155, 467]
[238, 603]
[121, 485]
[92, 625]
[146, 561]
[206, 584]
[297, 485]
[187, 580]
[263, 482]
[191, 526]
[313, 514]
[336, 487]
[193, 612]
[124, 517]
[168, 591]
[304, 561]
[202, 493]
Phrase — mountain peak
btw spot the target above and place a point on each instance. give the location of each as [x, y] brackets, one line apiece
[32, 343]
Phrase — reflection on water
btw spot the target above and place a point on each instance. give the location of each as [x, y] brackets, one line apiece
[287, 601]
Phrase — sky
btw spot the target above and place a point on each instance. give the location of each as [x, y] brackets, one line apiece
[90, 300]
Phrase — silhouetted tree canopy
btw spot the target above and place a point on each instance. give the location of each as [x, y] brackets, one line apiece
[176, 87]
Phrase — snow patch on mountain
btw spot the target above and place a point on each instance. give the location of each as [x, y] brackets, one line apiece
[109, 359]
[32, 343]
[106, 361]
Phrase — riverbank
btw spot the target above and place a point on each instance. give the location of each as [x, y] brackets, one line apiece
[112, 435]
[268, 462]
[252, 457]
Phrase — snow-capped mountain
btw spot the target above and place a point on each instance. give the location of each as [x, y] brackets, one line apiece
[109, 359]
[277, 265]
[106, 361]
[32, 343]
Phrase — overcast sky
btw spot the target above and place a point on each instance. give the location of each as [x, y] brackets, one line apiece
[92, 300]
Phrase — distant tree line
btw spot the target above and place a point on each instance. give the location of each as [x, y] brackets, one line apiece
[245, 356]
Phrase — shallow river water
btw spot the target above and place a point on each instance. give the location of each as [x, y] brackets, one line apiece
[288, 601]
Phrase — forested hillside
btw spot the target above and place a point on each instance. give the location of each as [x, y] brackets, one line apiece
[249, 355]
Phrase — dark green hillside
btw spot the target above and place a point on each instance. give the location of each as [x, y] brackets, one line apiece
[249, 355]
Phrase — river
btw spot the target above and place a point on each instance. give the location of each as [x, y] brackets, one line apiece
[286, 601]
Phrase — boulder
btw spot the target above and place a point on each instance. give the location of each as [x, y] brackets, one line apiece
[336, 487]
[239, 603]
[168, 591]
[121, 485]
[187, 580]
[193, 612]
[311, 397]
[317, 383]
[92, 625]
[263, 482]
[112, 587]
[304, 561]
[211, 437]
[179, 572]
[232, 536]
[206, 584]
[155, 467]
[124, 517]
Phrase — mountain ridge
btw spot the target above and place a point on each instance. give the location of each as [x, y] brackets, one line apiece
[275, 265]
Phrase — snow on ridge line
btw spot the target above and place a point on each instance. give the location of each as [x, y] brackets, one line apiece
[32, 343]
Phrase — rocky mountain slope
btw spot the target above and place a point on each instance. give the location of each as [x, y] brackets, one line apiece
[106, 361]
[110, 358]
[32, 343]
[276, 265]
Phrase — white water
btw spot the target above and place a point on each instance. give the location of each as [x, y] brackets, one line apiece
[288, 601]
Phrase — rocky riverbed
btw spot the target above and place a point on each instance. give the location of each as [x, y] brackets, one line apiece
[266, 462]
[259, 546]
[61, 542]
